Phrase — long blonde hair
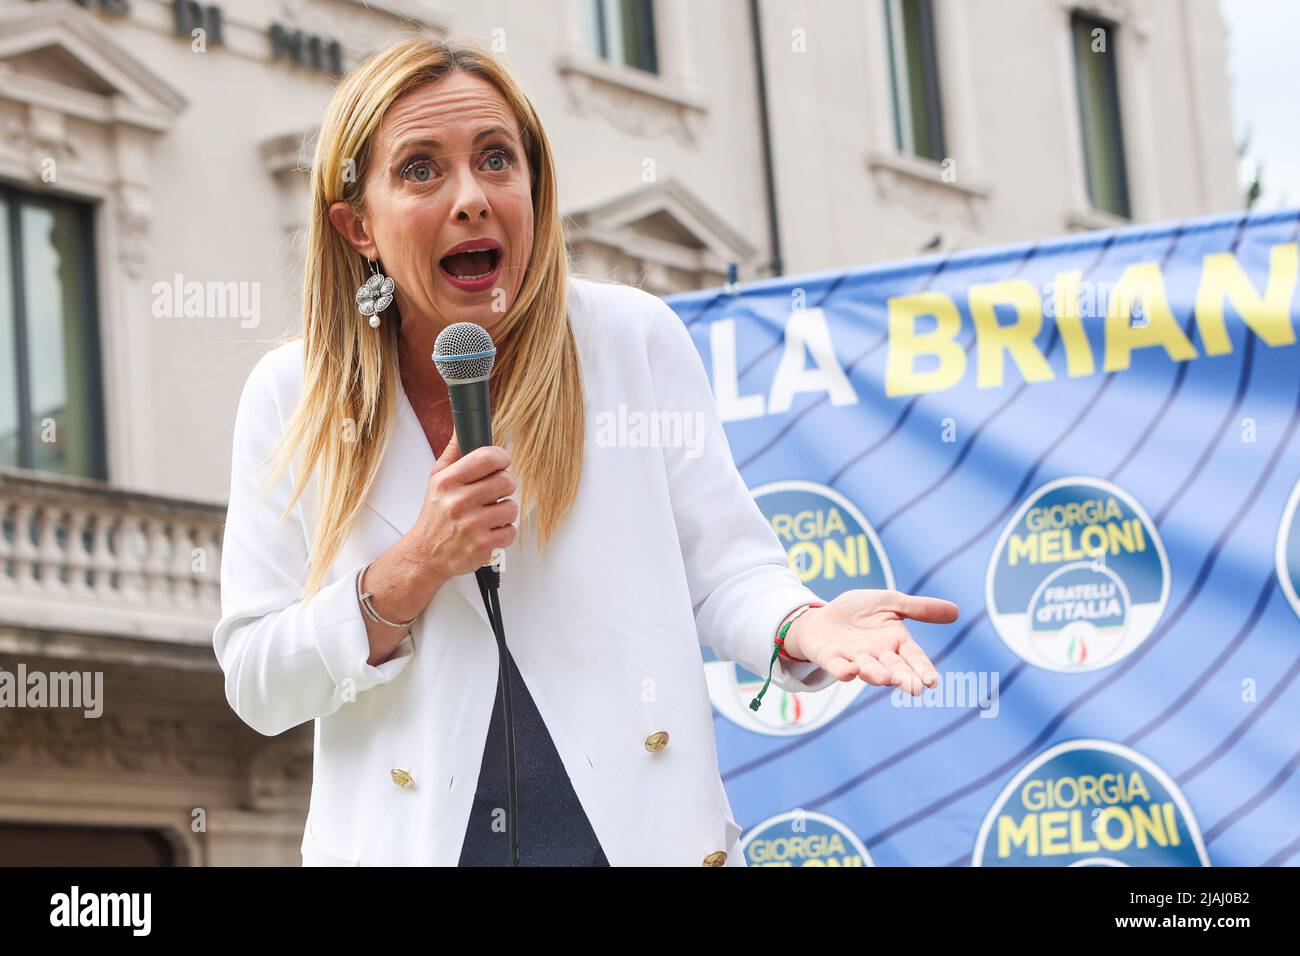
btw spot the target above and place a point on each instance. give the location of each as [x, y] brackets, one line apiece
[350, 377]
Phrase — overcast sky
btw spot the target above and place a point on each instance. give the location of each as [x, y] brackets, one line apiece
[1263, 47]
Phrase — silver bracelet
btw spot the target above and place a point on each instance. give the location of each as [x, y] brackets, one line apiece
[368, 608]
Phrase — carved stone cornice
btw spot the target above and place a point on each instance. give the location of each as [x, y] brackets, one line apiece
[90, 130]
[50, 737]
[632, 101]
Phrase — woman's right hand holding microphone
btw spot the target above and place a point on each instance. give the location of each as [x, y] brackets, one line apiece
[460, 527]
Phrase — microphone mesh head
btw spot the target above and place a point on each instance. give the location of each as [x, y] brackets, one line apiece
[464, 352]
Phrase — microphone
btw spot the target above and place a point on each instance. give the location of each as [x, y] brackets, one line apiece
[463, 354]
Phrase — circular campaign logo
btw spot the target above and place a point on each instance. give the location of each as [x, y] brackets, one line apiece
[803, 838]
[832, 549]
[1079, 577]
[1090, 803]
[1288, 549]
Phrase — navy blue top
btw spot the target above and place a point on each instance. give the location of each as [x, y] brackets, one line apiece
[553, 827]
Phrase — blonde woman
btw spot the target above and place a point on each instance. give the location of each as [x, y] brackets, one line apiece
[433, 201]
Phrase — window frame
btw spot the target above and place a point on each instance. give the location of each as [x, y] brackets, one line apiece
[1118, 153]
[607, 20]
[14, 198]
[899, 85]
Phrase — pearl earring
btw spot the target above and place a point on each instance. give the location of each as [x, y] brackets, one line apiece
[375, 294]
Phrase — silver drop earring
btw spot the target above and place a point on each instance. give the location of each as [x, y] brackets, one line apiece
[375, 294]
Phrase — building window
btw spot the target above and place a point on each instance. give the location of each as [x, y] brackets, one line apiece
[50, 395]
[1099, 115]
[623, 31]
[914, 76]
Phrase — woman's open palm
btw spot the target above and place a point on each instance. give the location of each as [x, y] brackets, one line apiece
[861, 634]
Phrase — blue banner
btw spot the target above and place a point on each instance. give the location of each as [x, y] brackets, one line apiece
[1089, 444]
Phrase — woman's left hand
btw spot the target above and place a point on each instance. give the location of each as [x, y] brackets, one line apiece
[861, 634]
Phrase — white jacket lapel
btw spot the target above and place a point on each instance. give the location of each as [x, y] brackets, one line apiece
[397, 493]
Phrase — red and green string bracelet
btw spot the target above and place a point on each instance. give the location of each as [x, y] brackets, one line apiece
[777, 646]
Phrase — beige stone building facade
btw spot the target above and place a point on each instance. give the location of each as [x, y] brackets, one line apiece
[151, 196]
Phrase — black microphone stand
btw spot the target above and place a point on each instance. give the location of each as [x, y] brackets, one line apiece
[489, 581]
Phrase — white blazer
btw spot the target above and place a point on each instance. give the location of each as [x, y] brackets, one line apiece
[664, 551]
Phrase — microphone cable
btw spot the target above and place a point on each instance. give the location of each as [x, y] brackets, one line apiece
[489, 581]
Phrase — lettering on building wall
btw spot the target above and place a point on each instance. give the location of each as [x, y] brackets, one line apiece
[298, 47]
[306, 49]
[189, 16]
[118, 8]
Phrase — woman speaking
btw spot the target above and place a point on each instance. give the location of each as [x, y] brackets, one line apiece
[355, 524]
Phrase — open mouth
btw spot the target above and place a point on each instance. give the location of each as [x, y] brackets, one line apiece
[471, 266]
